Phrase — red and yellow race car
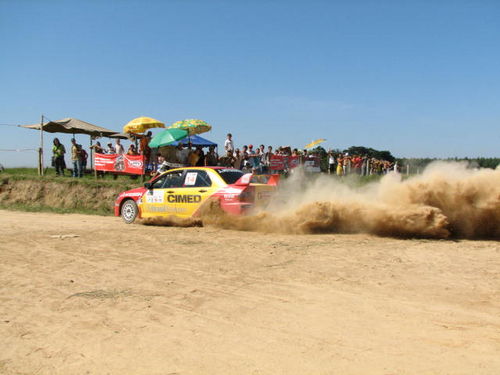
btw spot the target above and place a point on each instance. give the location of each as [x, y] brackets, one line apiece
[181, 192]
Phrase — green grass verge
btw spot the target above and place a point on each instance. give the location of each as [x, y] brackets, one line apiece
[39, 208]
[18, 174]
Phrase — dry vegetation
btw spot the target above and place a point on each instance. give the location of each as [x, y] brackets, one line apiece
[63, 195]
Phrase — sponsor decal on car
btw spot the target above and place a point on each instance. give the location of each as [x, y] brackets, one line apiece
[131, 194]
[183, 198]
[168, 209]
[190, 178]
[154, 196]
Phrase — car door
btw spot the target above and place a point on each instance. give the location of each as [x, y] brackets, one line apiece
[157, 200]
[197, 187]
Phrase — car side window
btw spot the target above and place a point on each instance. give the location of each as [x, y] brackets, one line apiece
[158, 183]
[173, 180]
[197, 178]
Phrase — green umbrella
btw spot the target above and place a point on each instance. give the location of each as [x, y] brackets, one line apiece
[167, 137]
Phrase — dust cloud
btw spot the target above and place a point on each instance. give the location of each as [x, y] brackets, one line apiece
[447, 200]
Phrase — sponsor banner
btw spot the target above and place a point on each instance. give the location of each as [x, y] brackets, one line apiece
[281, 162]
[132, 164]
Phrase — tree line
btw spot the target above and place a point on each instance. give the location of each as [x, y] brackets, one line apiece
[419, 163]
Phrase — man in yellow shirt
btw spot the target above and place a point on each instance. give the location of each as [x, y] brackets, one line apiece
[58, 152]
[76, 159]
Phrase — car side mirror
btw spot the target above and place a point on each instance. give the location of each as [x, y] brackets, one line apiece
[147, 185]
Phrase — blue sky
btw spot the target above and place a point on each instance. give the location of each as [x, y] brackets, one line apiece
[418, 78]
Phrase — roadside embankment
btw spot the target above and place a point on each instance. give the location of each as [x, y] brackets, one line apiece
[64, 195]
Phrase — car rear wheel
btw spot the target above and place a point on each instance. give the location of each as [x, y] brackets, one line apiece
[129, 211]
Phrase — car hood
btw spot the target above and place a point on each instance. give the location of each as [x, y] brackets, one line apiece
[133, 193]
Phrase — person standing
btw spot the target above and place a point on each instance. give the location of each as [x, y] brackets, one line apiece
[145, 150]
[76, 158]
[201, 157]
[110, 150]
[181, 155]
[266, 160]
[193, 157]
[211, 158]
[257, 160]
[228, 144]
[162, 165]
[131, 150]
[98, 148]
[58, 152]
[227, 160]
[83, 157]
[340, 161]
[119, 149]
[331, 162]
[238, 159]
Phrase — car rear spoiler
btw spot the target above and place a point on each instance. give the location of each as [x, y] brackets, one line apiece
[246, 179]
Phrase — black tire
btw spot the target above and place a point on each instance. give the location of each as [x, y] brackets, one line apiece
[129, 211]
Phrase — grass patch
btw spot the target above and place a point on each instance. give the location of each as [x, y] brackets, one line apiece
[22, 174]
[57, 210]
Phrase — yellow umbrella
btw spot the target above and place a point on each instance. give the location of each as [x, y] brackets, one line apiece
[314, 143]
[141, 124]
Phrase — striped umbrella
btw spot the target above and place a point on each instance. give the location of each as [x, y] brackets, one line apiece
[192, 126]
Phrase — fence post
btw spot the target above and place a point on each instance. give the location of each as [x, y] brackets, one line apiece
[40, 150]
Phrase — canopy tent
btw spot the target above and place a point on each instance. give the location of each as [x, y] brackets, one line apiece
[195, 140]
[72, 126]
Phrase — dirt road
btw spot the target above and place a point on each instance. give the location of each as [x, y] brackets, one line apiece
[91, 295]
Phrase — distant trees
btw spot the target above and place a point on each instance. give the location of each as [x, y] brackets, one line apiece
[415, 165]
[370, 152]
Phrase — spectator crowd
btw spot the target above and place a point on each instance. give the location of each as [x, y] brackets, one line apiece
[248, 158]
[344, 164]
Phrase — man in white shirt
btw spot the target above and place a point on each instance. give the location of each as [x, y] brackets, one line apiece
[182, 154]
[228, 144]
[119, 149]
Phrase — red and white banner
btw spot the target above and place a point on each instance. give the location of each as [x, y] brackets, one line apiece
[281, 162]
[131, 164]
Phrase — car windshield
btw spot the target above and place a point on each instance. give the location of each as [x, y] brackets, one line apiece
[230, 176]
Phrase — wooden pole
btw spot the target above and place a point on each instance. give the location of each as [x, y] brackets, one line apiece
[91, 151]
[40, 150]
[92, 155]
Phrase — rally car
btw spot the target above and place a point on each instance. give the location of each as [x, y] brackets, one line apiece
[181, 192]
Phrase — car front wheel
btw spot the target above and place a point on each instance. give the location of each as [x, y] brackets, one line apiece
[129, 211]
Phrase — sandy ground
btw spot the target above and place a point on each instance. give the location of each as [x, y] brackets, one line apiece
[91, 295]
